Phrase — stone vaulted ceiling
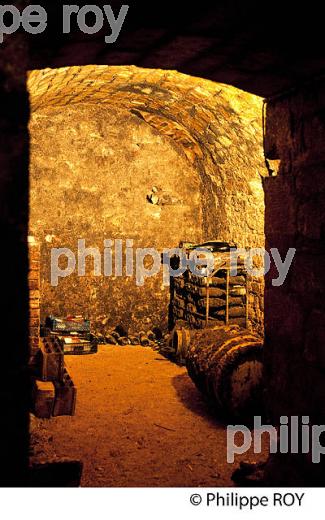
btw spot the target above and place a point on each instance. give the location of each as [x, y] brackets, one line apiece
[260, 47]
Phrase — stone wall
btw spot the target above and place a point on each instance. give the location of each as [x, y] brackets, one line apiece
[101, 139]
[91, 170]
[14, 383]
[295, 312]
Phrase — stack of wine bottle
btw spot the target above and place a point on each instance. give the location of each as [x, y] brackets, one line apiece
[220, 297]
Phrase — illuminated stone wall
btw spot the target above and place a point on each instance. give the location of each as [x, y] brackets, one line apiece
[101, 139]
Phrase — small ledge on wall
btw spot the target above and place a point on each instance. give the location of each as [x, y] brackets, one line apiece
[273, 166]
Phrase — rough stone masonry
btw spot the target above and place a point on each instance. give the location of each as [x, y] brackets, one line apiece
[123, 132]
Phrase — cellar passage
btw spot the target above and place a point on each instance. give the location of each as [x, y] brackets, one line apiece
[103, 140]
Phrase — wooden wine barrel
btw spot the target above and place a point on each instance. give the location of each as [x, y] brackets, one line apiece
[181, 341]
[225, 364]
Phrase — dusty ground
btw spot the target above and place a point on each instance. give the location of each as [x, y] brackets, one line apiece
[139, 422]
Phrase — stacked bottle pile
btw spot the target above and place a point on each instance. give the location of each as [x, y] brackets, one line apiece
[221, 297]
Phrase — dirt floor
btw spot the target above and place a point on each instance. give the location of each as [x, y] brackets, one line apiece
[139, 421]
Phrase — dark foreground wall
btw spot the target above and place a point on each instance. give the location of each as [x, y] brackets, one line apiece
[14, 113]
[295, 312]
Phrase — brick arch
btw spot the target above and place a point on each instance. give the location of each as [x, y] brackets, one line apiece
[186, 108]
[219, 127]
